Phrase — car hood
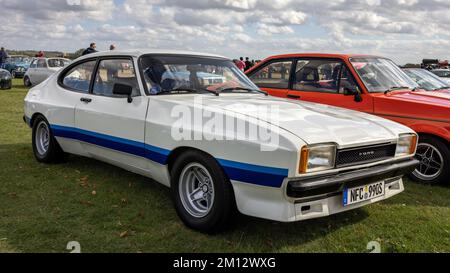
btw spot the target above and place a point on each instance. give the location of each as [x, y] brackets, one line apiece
[313, 123]
[441, 97]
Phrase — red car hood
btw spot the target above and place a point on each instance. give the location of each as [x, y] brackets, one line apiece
[441, 97]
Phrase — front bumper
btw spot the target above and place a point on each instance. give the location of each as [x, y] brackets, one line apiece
[323, 185]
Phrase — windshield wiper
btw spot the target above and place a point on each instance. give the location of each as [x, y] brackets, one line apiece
[396, 88]
[244, 89]
[190, 90]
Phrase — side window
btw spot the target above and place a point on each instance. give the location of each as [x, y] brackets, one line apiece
[273, 75]
[33, 64]
[41, 63]
[347, 81]
[79, 77]
[317, 75]
[111, 72]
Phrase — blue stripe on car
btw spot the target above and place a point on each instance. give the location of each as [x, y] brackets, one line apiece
[248, 173]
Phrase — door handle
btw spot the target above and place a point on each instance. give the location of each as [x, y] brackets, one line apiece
[86, 100]
[293, 96]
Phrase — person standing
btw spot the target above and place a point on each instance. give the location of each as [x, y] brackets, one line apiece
[40, 54]
[241, 64]
[248, 64]
[3, 57]
[91, 49]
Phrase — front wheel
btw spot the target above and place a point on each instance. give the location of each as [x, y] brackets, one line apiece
[201, 191]
[434, 157]
[45, 147]
[27, 81]
[13, 74]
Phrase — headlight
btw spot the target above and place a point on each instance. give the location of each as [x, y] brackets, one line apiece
[317, 158]
[406, 145]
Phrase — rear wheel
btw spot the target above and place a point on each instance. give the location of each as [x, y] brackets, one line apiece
[45, 147]
[27, 81]
[202, 193]
[434, 157]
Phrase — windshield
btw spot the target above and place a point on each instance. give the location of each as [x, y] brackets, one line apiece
[58, 62]
[164, 74]
[381, 75]
[425, 79]
[442, 73]
[17, 60]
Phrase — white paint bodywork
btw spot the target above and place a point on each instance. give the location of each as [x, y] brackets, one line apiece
[147, 121]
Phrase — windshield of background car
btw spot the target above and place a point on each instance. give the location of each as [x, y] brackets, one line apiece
[163, 74]
[57, 62]
[380, 75]
[442, 73]
[426, 79]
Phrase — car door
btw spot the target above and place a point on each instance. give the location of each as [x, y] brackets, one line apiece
[31, 73]
[112, 128]
[40, 70]
[328, 81]
[273, 77]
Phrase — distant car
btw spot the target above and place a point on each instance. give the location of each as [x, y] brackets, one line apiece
[427, 80]
[444, 74]
[5, 79]
[42, 68]
[17, 65]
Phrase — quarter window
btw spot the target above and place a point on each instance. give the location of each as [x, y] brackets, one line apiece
[79, 77]
[317, 75]
[111, 72]
[274, 75]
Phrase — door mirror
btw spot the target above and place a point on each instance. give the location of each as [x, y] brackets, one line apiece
[353, 91]
[123, 90]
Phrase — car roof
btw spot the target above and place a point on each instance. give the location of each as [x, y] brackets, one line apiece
[440, 70]
[322, 55]
[113, 53]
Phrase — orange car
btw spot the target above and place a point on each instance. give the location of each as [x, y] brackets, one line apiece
[369, 84]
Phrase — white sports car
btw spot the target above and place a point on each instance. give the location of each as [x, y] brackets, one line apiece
[217, 144]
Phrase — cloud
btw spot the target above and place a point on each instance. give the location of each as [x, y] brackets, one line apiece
[405, 30]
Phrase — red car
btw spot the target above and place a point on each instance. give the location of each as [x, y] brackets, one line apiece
[369, 84]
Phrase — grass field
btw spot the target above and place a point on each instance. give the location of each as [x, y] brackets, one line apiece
[106, 209]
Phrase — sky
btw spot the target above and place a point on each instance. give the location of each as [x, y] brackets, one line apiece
[404, 30]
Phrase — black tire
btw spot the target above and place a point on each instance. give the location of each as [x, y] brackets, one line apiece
[13, 74]
[27, 81]
[442, 153]
[54, 153]
[224, 203]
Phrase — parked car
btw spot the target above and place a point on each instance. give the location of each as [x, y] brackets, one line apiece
[17, 65]
[320, 160]
[42, 68]
[369, 84]
[5, 79]
[427, 80]
[444, 74]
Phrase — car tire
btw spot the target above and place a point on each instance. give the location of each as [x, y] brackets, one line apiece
[27, 81]
[434, 157]
[45, 147]
[13, 74]
[216, 199]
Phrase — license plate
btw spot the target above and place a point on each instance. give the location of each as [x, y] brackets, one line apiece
[363, 193]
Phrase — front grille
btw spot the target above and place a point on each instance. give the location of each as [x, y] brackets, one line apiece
[354, 156]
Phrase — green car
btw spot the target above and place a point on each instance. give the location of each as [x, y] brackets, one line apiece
[17, 65]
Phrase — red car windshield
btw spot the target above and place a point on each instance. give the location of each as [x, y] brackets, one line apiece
[381, 75]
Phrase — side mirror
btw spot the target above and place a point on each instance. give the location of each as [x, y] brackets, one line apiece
[123, 90]
[353, 91]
